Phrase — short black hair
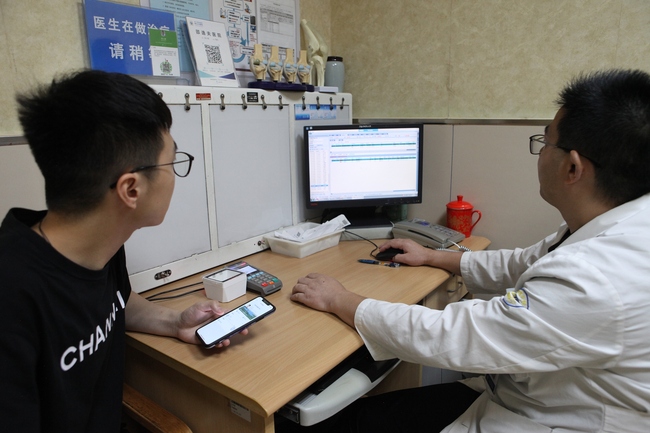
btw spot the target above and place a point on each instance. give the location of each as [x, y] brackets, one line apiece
[607, 119]
[87, 128]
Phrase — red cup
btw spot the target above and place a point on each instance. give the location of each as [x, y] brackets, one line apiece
[460, 215]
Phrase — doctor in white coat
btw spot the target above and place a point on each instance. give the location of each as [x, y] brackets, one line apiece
[565, 344]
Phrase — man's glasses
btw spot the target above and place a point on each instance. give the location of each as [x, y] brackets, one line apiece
[537, 143]
[181, 165]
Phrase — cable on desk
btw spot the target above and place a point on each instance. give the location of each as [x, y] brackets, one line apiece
[460, 248]
[157, 297]
[365, 239]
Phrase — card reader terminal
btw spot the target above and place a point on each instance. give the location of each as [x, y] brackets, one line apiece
[257, 280]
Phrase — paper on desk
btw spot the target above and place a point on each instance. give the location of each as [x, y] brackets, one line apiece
[306, 232]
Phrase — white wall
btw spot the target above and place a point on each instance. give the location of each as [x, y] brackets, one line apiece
[489, 165]
[21, 182]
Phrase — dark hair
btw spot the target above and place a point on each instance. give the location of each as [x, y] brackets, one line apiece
[607, 119]
[86, 129]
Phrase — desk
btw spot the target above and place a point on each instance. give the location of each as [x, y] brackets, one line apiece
[239, 388]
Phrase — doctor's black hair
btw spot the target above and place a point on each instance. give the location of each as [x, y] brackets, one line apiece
[86, 129]
[607, 119]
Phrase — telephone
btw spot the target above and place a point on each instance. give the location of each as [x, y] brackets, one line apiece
[427, 234]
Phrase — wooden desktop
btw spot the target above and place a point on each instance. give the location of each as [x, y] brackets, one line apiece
[239, 388]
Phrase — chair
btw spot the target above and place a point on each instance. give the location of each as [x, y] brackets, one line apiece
[141, 414]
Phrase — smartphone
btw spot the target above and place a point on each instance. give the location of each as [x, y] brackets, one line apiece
[234, 321]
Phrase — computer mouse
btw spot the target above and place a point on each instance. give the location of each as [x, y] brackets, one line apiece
[388, 254]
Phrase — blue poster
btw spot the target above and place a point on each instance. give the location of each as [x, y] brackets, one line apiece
[118, 36]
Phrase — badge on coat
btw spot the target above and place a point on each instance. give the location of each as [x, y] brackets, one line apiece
[516, 298]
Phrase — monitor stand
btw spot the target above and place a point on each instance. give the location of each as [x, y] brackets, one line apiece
[365, 223]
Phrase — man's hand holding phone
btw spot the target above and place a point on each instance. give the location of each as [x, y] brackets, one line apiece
[217, 332]
[196, 316]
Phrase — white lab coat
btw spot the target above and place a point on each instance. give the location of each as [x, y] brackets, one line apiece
[570, 345]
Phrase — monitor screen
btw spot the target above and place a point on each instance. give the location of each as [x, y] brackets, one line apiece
[363, 165]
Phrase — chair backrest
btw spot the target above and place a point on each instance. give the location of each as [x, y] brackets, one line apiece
[143, 414]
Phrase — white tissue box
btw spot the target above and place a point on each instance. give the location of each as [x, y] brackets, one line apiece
[306, 248]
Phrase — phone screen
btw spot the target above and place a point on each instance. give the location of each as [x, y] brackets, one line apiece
[234, 321]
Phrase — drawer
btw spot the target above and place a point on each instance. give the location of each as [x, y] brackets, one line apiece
[452, 290]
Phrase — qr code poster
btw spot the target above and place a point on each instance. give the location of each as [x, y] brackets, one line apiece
[211, 53]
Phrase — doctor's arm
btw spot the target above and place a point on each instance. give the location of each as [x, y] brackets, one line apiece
[149, 317]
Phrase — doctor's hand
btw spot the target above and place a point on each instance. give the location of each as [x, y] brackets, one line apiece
[414, 253]
[197, 315]
[417, 255]
[325, 293]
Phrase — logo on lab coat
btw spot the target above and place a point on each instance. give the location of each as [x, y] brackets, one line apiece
[516, 298]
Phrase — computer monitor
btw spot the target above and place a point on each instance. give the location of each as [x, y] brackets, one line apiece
[359, 168]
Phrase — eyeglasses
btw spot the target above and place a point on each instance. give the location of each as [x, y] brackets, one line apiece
[181, 165]
[537, 143]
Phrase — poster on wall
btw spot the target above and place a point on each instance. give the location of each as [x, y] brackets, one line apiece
[247, 22]
[119, 39]
[211, 53]
[240, 19]
[164, 53]
[182, 9]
